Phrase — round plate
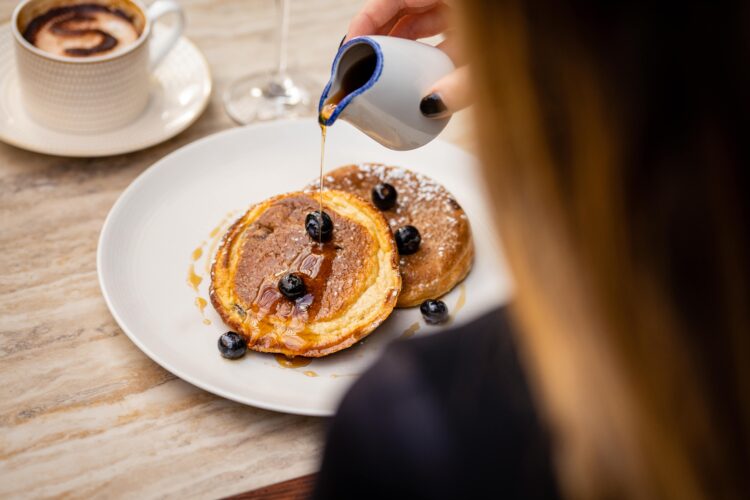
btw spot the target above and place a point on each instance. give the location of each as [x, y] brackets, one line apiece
[157, 243]
[181, 86]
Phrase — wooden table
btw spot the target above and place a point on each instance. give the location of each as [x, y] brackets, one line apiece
[82, 411]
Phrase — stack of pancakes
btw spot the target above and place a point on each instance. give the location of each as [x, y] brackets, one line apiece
[354, 280]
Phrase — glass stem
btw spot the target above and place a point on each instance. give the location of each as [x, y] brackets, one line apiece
[282, 31]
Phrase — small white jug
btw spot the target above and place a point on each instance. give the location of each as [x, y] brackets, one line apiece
[386, 106]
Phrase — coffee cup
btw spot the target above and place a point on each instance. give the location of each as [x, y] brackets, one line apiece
[79, 77]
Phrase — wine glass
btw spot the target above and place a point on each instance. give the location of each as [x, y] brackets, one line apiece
[271, 95]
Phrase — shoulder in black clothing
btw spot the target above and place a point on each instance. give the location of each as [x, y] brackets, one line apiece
[448, 415]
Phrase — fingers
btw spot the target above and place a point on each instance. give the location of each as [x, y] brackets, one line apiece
[418, 19]
[378, 17]
[429, 23]
[448, 95]
[451, 47]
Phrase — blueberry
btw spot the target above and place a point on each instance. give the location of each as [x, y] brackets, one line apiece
[319, 228]
[408, 240]
[384, 196]
[232, 345]
[434, 311]
[292, 286]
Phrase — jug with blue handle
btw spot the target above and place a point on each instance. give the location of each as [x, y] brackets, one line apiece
[394, 74]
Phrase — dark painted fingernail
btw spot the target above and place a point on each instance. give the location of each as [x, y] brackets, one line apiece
[342, 41]
[433, 106]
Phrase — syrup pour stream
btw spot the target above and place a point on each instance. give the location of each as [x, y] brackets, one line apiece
[325, 113]
[355, 77]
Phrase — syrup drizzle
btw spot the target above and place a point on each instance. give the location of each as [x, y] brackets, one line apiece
[461, 301]
[295, 362]
[323, 129]
[194, 279]
[325, 114]
[201, 304]
[215, 237]
[316, 264]
[414, 328]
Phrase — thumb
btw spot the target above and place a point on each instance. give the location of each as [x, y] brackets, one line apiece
[447, 95]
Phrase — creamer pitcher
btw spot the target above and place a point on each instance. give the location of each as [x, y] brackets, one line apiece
[377, 84]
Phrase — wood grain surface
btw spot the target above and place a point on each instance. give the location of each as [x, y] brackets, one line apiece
[83, 413]
[292, 489]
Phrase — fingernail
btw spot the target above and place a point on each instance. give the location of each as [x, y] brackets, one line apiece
[433, 106]
[342, 41]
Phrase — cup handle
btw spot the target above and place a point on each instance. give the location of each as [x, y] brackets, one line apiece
[156, 11]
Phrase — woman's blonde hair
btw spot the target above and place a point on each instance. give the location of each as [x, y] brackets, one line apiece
[610, 134]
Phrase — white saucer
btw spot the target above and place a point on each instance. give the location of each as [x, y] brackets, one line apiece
[161, 235]
[180, 91]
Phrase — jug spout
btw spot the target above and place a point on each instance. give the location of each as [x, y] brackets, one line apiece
[377, 83]
[356, 68]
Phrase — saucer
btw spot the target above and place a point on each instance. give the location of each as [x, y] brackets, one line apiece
[181, 87]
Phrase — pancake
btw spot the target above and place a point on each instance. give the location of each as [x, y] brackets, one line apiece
[352, 281]
[446, 253]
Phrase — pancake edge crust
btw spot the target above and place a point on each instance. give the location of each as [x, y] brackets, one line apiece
[447, 282]
[360, 319]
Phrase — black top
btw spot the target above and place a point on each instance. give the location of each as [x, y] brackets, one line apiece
[444, 416]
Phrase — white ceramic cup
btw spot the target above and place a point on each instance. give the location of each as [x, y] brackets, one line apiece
[387, 107]
[95, 93]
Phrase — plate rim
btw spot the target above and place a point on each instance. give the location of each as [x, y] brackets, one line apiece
[107, 227]
[114, 151]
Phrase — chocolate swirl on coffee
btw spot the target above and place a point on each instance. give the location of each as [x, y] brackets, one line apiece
[81, 30]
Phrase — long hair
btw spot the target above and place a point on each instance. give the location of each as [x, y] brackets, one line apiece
[611, 135]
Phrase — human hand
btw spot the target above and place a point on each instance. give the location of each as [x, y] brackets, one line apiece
[415, 19]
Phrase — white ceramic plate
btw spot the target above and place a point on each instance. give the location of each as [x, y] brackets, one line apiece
[181, 86]
[185, 202]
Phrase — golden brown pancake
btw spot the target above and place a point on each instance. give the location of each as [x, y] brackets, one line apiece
[446, 253]
[352, 281]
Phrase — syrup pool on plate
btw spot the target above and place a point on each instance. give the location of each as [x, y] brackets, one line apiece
[206, 250]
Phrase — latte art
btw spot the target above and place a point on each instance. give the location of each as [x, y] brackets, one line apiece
[81, 30]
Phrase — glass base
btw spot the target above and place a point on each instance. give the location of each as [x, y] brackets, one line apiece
[270, 96]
